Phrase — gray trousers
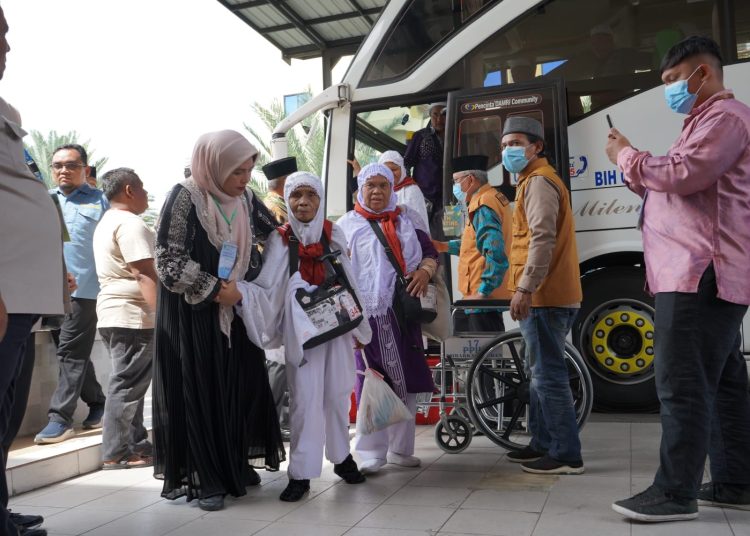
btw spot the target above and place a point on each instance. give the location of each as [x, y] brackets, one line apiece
[132, 353]
[76, 377]
[280, 390]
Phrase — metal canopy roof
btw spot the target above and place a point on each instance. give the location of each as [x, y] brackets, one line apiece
[304, 29]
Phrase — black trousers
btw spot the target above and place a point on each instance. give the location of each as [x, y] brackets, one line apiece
[76, 377]
[12, 351]
[21, 398]
[701, 380]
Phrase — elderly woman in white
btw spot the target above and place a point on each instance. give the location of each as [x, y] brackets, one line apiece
[396, 349]
[320, 378]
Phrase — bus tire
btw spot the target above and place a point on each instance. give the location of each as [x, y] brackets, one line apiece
[614, 333]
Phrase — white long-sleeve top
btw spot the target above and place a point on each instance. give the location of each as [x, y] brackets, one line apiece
[269, 310]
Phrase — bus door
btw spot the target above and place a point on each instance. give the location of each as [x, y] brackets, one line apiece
[475, 126]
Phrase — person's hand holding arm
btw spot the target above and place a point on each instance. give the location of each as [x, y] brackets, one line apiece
[228, 294]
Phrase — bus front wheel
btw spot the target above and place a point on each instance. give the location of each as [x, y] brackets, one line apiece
[614, 332]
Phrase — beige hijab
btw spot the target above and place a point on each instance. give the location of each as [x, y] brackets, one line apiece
[215, 156]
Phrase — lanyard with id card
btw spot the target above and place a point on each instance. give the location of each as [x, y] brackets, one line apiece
[227, 259]
[228, 255]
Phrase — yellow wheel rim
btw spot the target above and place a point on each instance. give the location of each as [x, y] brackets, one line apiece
[619, 329]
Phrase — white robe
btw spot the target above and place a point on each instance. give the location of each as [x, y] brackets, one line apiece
[320, 379]
[412, 197]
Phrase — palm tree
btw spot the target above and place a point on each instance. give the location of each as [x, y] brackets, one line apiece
[42, 148]
[306, 142]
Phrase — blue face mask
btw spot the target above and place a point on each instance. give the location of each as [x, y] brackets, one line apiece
[679, 98]
[458, 193]
[514, 159]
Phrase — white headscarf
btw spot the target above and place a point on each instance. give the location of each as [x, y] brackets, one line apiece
[375, 275]
[369, 171]
[307, 233]
[395, 158]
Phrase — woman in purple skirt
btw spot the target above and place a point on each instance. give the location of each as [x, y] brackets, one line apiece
[396, 350]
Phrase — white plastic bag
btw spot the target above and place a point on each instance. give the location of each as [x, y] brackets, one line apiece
[379, 406]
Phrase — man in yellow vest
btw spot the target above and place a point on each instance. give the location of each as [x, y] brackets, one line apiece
[482, 250]
[545, 280]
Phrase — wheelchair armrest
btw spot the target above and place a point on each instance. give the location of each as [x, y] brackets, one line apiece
[481, 304]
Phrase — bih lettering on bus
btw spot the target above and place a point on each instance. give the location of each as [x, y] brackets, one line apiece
[608, 177]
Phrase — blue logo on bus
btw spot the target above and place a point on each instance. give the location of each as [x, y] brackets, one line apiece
[578, 166]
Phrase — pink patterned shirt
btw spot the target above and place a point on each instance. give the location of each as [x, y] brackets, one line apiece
[697, 201]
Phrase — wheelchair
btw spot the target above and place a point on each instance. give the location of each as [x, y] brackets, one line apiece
[484, 386]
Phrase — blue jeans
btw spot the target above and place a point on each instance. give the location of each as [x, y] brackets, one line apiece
[552, 417]
[701, 380]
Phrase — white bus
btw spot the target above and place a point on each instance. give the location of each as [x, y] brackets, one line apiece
[606, 54]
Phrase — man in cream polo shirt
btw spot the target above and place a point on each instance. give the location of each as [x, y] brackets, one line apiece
[124, 254]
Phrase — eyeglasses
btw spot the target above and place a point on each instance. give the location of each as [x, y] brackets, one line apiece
[461, 179]
[372, 186]
[70, 166]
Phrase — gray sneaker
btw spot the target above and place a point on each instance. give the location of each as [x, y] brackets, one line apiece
[724, 495]
[654, 506]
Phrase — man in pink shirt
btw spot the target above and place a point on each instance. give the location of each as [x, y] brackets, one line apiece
[696, 237]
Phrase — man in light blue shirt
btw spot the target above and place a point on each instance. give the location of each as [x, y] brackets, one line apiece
[82, 207]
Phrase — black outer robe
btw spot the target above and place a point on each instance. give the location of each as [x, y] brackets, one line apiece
[214, 414]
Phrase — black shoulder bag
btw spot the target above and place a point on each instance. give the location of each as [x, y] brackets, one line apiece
[333, 307]
[262, 224]
[407, 307]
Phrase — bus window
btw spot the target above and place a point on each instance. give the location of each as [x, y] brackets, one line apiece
[605, 51]
[422, 26]
[742, 29]
[377, 131]
[481, 135]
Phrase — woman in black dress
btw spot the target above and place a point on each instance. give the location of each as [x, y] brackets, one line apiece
[214, 416]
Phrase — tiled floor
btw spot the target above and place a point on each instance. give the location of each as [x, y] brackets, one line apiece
[475, 492]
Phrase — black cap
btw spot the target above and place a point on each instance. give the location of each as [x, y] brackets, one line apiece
[280, 168]
[523, 125]
[470, 162]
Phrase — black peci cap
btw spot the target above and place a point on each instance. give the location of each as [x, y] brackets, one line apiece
[280, 168]
[470, 162]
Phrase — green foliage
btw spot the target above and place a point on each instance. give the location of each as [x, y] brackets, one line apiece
[308, 147]
[42, 148]
[151, 214]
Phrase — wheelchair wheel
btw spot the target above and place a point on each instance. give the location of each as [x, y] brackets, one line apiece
[498, 390]
[453, 434]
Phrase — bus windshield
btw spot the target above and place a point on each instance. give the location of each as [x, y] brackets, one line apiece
[423, 24]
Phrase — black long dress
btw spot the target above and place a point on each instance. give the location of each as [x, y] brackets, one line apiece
[214, 414]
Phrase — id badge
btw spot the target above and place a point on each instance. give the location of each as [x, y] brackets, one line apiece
[227, 258]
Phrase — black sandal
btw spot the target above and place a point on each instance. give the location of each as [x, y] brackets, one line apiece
[349, 471]
[295, 490]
